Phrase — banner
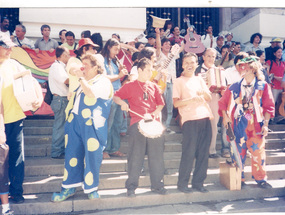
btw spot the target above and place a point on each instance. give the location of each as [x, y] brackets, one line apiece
[39, 64]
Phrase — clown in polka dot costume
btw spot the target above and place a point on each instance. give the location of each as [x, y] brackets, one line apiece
[86, 131]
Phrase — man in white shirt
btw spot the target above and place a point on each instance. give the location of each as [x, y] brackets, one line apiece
[209, 58]
[20, 38]
[5, 26]
[58, 83]
[208, 39]
[163, 56]
[234, 73]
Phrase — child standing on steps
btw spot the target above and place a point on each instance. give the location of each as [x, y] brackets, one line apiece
[4, 154]
[144, 98]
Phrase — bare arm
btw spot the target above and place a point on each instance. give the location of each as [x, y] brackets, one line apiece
[281, 107]
[123, 104]
[2, 126]
[157, 111]
[180, 103]
[158, 42]
[121, 74]
[127, 46]
[182, 47]
[264, 128]
[183, 102]
[86, 88]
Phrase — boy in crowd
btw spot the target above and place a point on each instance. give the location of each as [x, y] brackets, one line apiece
[144, 98]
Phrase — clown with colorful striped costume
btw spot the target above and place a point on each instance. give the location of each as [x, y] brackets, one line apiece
[248, 105]
[86, 131]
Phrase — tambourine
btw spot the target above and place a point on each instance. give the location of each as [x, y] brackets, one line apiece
[149, 127]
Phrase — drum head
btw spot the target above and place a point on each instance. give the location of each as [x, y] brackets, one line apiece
[152, 129]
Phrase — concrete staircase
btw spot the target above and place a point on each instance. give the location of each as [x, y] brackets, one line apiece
[44, 176]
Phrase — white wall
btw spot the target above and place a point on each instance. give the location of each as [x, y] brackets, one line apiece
[272, 26]
[265, 22]
[243, 32]
[128, 22]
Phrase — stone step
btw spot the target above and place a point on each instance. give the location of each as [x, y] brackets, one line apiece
[38, 123]
[37, 131]
[116, 198]
[42, 135]
[54, 167]
[116, 180]
[42, 148]
[44, 127]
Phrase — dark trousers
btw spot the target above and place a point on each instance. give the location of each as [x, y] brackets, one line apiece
[58, 106]
[15, 141]
[196, 141]
[138, 146]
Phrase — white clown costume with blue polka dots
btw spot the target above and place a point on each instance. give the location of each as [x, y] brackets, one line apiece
[86, 135]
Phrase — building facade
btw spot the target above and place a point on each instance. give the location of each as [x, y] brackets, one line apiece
[130, 22]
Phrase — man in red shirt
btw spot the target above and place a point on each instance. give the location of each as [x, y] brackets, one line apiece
[144, 98]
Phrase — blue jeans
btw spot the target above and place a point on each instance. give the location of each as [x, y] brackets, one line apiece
[58, 106]
[114, 129]
[168, 103]
[124, 126]
[15, 141]
[224, 141]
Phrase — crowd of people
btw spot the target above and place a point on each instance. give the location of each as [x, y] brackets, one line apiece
[95, 92]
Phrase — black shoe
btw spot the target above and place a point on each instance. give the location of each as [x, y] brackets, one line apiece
[131, 193]
[166, 172]
[61, 156]
[185, 189]
[17, 199]
[264, 185]
[169, 131]
[201, 189]
[229, 161]
[161, 191]
[226, 154]
[214, 156]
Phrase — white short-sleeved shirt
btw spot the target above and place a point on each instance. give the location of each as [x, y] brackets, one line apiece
[134, 72]
[232, 75]
[56, 78]
[101, 88]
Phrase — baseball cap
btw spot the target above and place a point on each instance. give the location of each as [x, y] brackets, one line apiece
[220, 37]
[151, 35]
[276, 40]
[86, 41]
[248, 60]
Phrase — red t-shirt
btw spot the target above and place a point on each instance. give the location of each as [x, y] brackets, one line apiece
[134, 93]
[278, 71]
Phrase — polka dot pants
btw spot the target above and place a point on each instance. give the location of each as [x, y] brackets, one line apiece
[83, 154]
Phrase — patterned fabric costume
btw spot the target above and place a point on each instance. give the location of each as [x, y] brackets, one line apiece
[86, 138]
[247, 121]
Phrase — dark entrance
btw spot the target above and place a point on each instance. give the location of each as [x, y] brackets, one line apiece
[13, 15]
[199, 17]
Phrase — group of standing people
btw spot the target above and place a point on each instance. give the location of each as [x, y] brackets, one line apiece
[91, 91]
